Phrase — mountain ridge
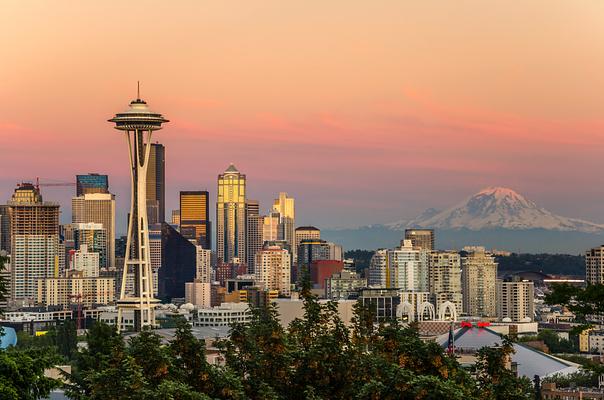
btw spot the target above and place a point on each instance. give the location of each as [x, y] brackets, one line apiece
[494, 208]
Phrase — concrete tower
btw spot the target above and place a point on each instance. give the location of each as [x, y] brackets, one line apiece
[138, 122]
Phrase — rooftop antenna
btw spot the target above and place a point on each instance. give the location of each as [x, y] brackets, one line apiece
[138, 90]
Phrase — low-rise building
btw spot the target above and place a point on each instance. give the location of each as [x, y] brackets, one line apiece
[596, 341]
[344, 285]
[222, 315]
[75, 289]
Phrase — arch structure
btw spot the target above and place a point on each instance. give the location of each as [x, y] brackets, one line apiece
[447, 309]
[405, 309]
[421, 311]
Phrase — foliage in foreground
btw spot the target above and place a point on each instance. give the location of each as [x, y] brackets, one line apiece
[318, 357]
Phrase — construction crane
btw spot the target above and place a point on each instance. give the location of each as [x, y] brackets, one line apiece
[79, 298]
[53, 184]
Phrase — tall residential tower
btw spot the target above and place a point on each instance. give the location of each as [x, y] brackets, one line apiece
[34, 234]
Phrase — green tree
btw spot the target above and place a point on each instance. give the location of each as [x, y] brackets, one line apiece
[494, 377]
[22, 370]
[66, 338]
[22, 374]
[190, 366]
[581, 301]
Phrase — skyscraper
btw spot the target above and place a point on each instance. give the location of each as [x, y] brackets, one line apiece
[285, 206]
[408, 268]
[178, 263]
[230, 216]
[378, 273]
[195, 217]
[94, 237]
[91, 183]
[302, 233]
[34, 231]
[479, 275]
[271, 227]
[254, 239]
[98, 208]
[139, 122]
[156, 183]
[445, 278]
[421, 238]
[4, 228]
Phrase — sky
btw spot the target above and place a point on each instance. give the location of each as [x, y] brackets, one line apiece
[364, 111]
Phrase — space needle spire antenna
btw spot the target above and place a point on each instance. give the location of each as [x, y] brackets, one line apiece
[138, 123]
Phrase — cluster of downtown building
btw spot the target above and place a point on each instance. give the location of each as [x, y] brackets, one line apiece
[256, 258]
[77, 267]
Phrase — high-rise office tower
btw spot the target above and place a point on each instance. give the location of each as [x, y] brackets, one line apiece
[156, 183]
[254, 229]
[478, 278]
[445, 279]
[594, 266]
[309, 251]
[34, 231]
[285, 207]
[408, 268]
[230, 216]
[178, 263]
[4, 228]
[271, 227]
[515, 300]
[91, 183]
[94, 237]
[421, 238]
[273, 268]
[305, 233]
[195, 217]
[98, 208]
[139, 122]
[176, 217]
[378, 275]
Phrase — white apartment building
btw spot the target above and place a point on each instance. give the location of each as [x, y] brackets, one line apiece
[273, 269]
[86, 262]
[203, 265]
[445, 278]
[515, 300]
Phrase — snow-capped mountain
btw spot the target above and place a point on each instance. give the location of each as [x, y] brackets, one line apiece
[494, 208]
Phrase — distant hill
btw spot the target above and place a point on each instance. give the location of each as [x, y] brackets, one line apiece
[551, 264]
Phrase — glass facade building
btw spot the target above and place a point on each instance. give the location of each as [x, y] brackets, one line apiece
[91, 183]
[195, 217]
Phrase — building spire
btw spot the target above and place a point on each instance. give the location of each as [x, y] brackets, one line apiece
[138, 90]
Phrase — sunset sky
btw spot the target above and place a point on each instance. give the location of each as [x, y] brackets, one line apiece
[364, 111]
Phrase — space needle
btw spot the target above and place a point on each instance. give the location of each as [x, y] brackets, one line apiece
[138, 122]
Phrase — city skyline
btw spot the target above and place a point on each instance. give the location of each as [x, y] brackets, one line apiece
[397, 106]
